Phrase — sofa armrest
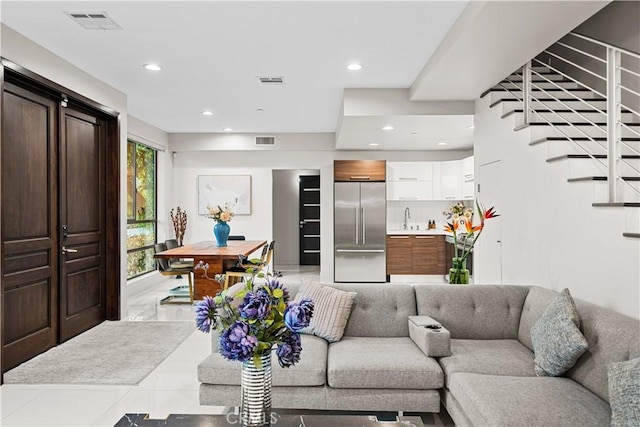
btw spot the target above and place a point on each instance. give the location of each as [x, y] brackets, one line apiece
[429, 336]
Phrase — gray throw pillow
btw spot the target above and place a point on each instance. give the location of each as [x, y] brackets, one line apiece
[556, 337]
[332, 308]
[624, 393]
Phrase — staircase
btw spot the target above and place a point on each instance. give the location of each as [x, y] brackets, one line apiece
[581, 98]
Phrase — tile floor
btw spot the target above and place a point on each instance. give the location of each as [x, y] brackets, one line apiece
[171, 388]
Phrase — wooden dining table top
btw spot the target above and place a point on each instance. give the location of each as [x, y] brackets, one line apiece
[209, 249]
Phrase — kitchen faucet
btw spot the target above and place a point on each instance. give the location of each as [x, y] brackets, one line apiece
[407, 217]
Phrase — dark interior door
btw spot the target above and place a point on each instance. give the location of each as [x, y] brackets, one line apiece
[30, 247]
[309, 219]
[82, 219]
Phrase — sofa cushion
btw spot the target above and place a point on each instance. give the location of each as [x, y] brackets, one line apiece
[624, 393]
[487, 312]
[612, 337]
[492, 357]
[527, 401]
[381, 363]
[380, 310]
[331, 310]
[556, 337]
[310, 371]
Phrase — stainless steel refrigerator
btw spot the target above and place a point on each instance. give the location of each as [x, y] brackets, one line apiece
[360, 232]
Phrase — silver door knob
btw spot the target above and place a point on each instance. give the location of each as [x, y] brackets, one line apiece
[70, 251]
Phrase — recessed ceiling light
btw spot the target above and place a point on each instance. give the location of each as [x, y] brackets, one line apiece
[373, 144]
[152, 67]
[471, 126]
[388, 128]
[354, 67]
[207, 113]
[260, 109]
[442, 143]
[227, 129]
[414, 133]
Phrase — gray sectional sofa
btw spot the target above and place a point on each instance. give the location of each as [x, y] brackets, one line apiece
[488, 379]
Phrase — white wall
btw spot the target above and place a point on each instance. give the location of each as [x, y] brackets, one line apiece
[189, 164]
[551, 235]
[35, 58]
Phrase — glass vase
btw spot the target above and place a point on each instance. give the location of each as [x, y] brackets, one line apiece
[255, 406]
[221, 231]
[458, 273]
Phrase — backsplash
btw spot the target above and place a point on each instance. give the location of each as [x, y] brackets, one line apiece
[421, 213]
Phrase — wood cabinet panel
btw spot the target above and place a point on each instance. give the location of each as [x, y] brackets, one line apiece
[359, 170]
[416, 254]
[399, 254]
[428, 255]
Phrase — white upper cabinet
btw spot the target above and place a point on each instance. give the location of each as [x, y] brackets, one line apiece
[451, 180]
[409, 190]
[467, 179]
[409, 171]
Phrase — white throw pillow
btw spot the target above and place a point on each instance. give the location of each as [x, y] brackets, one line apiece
[332, 308]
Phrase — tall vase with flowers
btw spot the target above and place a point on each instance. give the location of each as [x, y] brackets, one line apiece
[458, 273]
[252, 321]
[221, 215]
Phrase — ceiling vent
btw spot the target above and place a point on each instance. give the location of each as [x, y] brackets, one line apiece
[272, 80]
[265, 141]
[94, 21]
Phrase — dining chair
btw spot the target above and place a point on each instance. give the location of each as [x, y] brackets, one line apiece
[240, 271]
[169, 269]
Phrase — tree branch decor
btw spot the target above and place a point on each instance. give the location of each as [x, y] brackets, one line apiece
[179, 221]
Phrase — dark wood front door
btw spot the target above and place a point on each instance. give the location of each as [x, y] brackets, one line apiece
[29, 224]
[82, 219]
[56, 169]
[309, 196]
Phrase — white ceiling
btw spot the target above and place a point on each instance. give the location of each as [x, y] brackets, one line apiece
[213, 51]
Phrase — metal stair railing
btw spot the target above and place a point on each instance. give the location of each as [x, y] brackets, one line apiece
[614, 58]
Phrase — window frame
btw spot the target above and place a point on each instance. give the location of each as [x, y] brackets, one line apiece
[135, 192]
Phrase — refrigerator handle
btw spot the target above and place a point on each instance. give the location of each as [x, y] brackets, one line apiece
[364, 222]
[357, 225]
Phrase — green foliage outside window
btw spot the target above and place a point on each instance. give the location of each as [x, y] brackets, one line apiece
[141, 208]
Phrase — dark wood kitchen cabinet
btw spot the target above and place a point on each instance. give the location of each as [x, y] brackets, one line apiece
[416, 254]
[428, 254]
[359, 170]
[399, 254]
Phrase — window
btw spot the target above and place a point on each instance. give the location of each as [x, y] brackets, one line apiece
[141, 209]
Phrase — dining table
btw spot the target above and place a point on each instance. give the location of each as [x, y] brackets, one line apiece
[210, 259]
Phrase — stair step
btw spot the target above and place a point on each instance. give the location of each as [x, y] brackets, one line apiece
[634, 235]
[594, 103]
[569, 85]
[555, 77]
[603, 178]
[577, 138]
[581, 116]
[616, 205]
[541, 94]
[586, 156]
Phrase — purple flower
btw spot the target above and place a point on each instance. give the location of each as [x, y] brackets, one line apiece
[274, 284]
[289, 349]
[206, 314]
[256, 305]
[298, 315]
[236, 343]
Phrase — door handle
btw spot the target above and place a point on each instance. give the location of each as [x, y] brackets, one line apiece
[70, 251]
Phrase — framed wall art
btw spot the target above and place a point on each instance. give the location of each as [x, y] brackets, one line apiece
[220, 189]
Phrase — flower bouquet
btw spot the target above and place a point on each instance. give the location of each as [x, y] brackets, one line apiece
[221, 215]
[459, 274]
[251, 322]
[254, 320]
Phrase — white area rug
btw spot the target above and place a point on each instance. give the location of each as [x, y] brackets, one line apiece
[112, 353]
